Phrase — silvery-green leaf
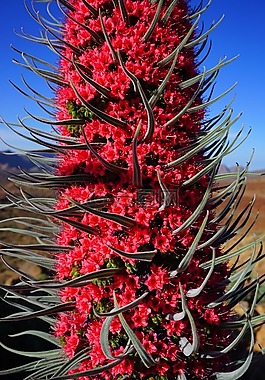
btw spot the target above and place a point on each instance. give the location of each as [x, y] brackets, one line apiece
[141, 256]
[236, 374]
[169, 10]
[146, 358]
[154, 22]
[232, 345]
[188, 257]
[90, 372]
[100, 114]
[47, 311]
[124, 12]
[194, 216]
[50, 354]
[186, 347]
[137, 175]
[122, 309]
[123, 220]
[107, 38]
[196, 291]
[41, 334]
[180, 315]
[79, 281]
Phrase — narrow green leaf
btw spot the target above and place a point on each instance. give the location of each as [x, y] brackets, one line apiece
[168, 12]
[150, 116]
[123, 220]
[100, 114]
[186, 347]
[47, 311]
[130, 75]
[155, 97]
[141, 256]
[187, 258]
[91, 372]
[58, 122]
[154, 22]
[201, 38]
[90, 7]
[72, 363]
[41, 334]
[239, 372]
[165, 61]
[79, 281]
[146, 358]
[166, 193]
[210, 137]
[137, 175]
[239, 281]
[16, 270]
[107, 38]
[41, 261]
[181, 315]
[122, 309]
[195, 292]
[78, 225]
[124, 12]
[34, 354]
[199, 10]
[104, 342]
[194, 216]
[186, 107]
[222, 62]
[229, 256]
[97, 37]
[101, 89]
[232, 345]
[210, 102]
[30, 366]
[46, 319]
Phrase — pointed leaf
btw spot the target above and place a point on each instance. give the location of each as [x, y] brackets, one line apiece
[41, 334]
[123, 220]
[188, 257]
[79, 281]
[90, 372]
[107, 38]
[34, 354]
[169, 10]
[141, 256]
[137, 175]
[195, 292]
[100, 114]
[146, 358]
[47, 311]
[154, 22]
[122, 309]
[239, 372]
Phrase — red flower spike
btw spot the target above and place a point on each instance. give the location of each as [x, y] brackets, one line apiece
[135, 198]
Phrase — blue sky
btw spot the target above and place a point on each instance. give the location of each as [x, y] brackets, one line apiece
[239, 33]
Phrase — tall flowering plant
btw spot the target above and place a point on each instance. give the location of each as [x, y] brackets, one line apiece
[140, 284]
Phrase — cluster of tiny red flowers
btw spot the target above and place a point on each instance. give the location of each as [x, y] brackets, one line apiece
[153, 225]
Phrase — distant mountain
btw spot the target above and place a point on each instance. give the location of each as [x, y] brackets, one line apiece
[229, 169]
[12, 160]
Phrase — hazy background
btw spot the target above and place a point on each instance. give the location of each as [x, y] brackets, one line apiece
[239, 33]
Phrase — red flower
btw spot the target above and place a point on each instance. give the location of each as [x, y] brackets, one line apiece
[157, 278]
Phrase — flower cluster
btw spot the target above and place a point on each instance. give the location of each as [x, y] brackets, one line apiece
[143, 202]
